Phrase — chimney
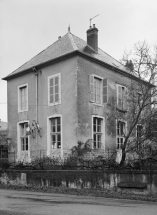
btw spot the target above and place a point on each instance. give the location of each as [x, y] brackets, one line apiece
[130, 65]
[92, 37]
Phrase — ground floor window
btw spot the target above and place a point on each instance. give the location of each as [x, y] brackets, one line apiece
[23, 136]
[55, 132]
[3, 152]
[121, 131]
[97, 132]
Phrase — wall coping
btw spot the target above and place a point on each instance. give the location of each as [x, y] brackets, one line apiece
[85, 171]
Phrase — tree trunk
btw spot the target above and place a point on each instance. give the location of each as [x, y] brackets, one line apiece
[123, 157]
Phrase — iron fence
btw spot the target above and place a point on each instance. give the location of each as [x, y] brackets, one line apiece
[93, 160]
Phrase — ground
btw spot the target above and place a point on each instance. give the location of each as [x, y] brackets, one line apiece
[13, 202]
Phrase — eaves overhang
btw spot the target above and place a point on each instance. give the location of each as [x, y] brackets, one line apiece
[72, 54]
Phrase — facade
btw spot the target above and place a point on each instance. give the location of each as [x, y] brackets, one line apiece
[63, 95]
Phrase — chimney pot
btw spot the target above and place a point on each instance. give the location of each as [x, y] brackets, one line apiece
[93, 25]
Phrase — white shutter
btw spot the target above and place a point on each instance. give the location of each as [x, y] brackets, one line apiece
[56, 88]
[51, 90]
[105, 91]
[92, 94]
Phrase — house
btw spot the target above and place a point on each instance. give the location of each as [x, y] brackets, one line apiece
[62, 95]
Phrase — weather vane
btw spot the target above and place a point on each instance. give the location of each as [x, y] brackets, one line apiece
[93, 18]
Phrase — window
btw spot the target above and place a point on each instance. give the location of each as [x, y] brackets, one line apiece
[98, 90]
[55, 132]
[97, 132]
[23, 136]
[54, 89]
[121, 97]
[121, 131]
[23, 98]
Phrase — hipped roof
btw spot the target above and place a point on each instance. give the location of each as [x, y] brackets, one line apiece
[62, 47]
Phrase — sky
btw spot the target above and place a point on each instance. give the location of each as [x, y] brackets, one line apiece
[29, 26]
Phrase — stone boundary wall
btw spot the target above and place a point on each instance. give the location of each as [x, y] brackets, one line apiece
[137, 182]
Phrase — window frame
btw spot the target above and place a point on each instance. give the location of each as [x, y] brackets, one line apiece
[102, 133]
[49, 146]
[59, 89]
[19, 97]
[55, 133]
[21, 152]
[124, 106]
[120, 136]
[101, 90]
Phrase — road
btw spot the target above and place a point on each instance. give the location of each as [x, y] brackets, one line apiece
[13, 202]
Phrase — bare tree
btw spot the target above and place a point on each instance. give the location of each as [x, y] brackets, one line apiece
[140, 98]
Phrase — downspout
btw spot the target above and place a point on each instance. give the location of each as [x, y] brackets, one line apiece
[36, 106]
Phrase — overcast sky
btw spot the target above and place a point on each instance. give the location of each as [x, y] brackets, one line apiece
[29, 26]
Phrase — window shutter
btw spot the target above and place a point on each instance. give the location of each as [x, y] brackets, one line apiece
[119, 96]
[126, 99]
[105, 91]
[51, 90]
[92, 95]
[56, 89]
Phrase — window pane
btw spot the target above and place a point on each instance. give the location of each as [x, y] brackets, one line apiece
[26, 139]
[22, 144]
[56, 89]
[58, 128]
[59, 145]
[58, 120]
[51, 99]
[56, 97]
[59, 138]
[99, 128]
[99, 138]
[53, 139]
[51, 90]
[99, 121]
[51, 82]
[56, 80]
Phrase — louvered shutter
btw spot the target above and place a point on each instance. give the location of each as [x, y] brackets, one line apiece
[105, 91]
[119, 96]
[51, 96]
[56, 89]
[92, 94]
[126, 105]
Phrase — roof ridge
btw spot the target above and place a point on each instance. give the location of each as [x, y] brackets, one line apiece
[72, 41]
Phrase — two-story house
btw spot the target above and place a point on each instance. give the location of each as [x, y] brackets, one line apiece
[62, 95]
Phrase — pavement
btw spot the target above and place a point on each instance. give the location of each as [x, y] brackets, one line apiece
[13, 202]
